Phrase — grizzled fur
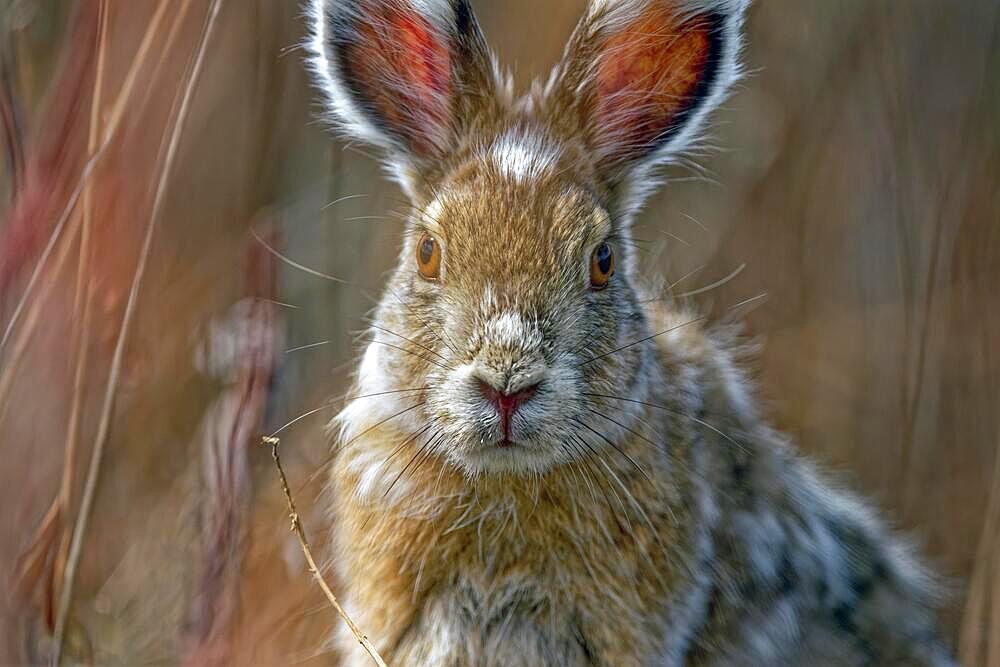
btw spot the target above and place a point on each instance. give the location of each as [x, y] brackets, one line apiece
[645, 514]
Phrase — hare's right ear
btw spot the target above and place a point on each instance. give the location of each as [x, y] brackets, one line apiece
[408, 76]
[639, 79]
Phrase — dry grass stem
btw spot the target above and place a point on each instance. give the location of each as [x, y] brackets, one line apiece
[55, 517]
[36, 556]
[300, 533]
[117, 112]
[86, 502]
[82, 305]
[66, 218]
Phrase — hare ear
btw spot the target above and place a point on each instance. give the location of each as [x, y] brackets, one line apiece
[639, 78]
[402, 75]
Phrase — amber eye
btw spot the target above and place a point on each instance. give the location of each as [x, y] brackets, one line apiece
[429, 257]
[602, 266]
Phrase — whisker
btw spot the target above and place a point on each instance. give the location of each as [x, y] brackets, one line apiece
[616, 447]
[752, 299]
[329, 458]
[361, 218]
[576, 448]
[674, 237]
[672, 412]
[686, 276]
[280, 303]
[604, 486]
[611, 487]
[673, 459]
[670, 287]
[404, 350]
[291, 262]
[635, 503]
[382, 393]
[307, 347]
[300, 418]
[387, 419]
[340, 281]
[407, 466]
[691, 218]
[429, 452]
[398, 448]
[716, 284]
[341, 199]
[663, 447]
[626, 428]
[440, 336]
[643, 340]
[422, 347]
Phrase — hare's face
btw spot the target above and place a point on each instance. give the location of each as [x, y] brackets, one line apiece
[511, 306]
[525, 290]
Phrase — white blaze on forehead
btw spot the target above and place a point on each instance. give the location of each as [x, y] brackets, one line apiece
[523, 157]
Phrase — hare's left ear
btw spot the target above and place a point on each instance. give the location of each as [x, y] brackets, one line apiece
[409, 76]
[639, 79]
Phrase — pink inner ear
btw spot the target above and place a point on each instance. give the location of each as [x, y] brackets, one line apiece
[403, 64]
[647, 74]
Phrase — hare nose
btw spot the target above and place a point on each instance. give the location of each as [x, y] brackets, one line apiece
[507, 404]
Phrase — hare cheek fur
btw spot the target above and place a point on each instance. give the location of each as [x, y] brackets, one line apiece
[631, 508]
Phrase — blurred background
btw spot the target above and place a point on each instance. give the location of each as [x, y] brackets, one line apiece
[159, 155]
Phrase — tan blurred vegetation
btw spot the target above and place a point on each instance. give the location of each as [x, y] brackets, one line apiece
[856, 184]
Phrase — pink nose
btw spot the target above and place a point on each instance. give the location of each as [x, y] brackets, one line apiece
[507, 404]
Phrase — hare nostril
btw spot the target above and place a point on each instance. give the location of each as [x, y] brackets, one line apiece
[513, 401]
[507, 404]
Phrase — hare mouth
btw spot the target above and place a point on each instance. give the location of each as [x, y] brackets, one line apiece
[507, 443]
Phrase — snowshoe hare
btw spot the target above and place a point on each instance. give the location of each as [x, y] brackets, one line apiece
[539, 465]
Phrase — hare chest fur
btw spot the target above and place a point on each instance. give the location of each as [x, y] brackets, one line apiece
[541, 463]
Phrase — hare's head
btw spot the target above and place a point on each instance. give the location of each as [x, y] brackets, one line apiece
[512, 296]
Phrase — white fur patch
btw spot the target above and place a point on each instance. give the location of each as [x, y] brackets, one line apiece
[376, 474]
[343, 110]
[432, 214]
[362, 413]
[522, 157]
[510, 330]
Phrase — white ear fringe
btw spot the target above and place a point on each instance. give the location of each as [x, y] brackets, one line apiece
[621, 12]
[341, 108]
[729, 71]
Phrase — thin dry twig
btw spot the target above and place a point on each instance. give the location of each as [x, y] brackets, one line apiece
[86, 502]
[300, 533]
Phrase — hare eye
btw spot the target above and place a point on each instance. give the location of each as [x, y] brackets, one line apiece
[602, 266]
[429, 257]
